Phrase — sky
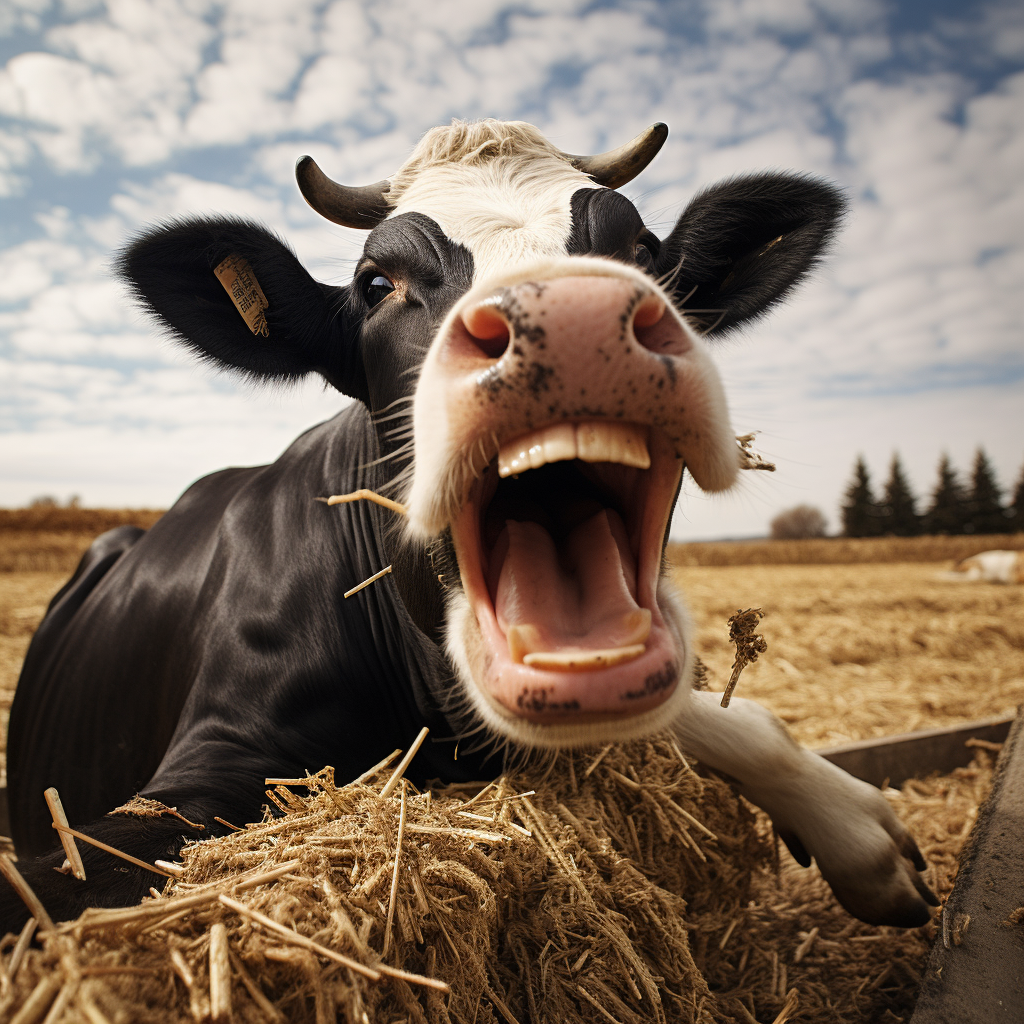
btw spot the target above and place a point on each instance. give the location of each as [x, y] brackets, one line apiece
[119, 114]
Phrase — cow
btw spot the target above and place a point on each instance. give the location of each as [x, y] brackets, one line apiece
[991, 567]
[530, 379]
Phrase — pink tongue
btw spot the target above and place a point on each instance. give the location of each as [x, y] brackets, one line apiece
[578, 596]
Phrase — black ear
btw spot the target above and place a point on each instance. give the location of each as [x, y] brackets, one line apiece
[742, 244]
[171, 271]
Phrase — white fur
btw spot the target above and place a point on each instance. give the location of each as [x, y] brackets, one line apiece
[506, 212]
[844, 824]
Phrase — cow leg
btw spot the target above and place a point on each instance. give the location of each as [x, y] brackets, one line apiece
[862, 849]
[110, 881]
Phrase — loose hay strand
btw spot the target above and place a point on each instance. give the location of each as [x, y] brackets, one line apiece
[789, 1007]
[268, 876]
[38, 1002]
[52, 798]
[60, 1004]
[596, 1005]
[396, 776]
[220, 974]
[373, 579]
[365, 494]
[378, 767]
[394, 876]
[20, 948]
[112, 850]
[24, 890]
[415, 979]
[597, 760]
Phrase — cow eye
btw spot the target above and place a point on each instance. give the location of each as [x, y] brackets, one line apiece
[643, 255]
[376, 289]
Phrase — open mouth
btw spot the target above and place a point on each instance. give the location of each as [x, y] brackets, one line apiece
[559, 547]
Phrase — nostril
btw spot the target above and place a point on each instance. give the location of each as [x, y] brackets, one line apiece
[487, 326]
[648, 312]
[652, 329]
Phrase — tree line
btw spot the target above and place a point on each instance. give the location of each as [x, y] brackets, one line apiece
[955, 507]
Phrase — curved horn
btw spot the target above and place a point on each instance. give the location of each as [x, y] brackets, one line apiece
[352, 207]
[614, 168]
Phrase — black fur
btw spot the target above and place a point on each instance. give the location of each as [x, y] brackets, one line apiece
[171, 273]
[605, 223]
[741, 245]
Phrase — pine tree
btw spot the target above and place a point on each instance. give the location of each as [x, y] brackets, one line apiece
[986, 509]
[898, 503]
[859, 512]
[1016, 521]
[948, 510]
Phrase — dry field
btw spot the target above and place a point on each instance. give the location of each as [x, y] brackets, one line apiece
[859, 651]
[39, 549]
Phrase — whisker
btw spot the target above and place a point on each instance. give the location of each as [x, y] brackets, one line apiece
[668, 279]
[401, 414]
[718, 319]
[689, 295]
[398, 401]
[402, 450]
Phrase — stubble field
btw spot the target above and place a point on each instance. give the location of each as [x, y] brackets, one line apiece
[862, 651]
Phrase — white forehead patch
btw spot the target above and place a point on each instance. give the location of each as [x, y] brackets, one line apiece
[505, 212]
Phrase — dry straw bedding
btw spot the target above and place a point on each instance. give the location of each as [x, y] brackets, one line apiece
[627, 887]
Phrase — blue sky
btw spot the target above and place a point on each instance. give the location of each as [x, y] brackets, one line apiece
[115, 115]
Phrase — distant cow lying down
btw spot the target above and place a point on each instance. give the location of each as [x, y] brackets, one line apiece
[993, 567]
[531, 377]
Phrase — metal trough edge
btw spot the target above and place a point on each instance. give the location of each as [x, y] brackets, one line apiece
[976, 971]
[894, 759]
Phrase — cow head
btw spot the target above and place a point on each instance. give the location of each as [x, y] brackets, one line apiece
[535, 360]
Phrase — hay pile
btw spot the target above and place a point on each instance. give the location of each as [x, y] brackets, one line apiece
[626, 888]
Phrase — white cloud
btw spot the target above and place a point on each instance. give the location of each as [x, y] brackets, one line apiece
[921, 292]
[177, 195]
[130, 457]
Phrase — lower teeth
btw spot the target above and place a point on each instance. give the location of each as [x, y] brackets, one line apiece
[582, 660]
